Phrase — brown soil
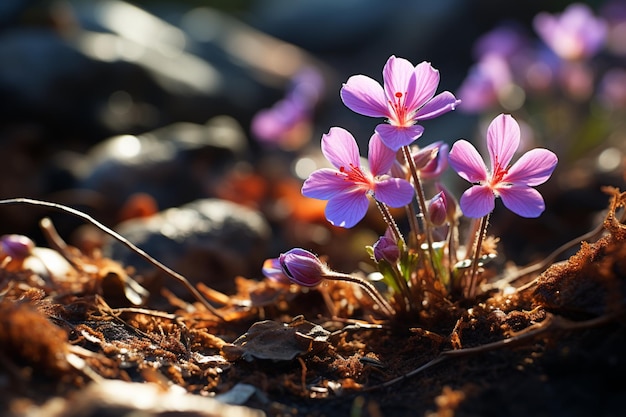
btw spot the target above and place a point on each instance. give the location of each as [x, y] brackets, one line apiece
[73, 344]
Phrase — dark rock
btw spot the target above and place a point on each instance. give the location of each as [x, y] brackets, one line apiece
[175, 164]
[209, 241]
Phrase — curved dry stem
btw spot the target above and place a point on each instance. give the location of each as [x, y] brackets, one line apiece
[367, 287]
[592, 235]
[76, 213]
[551, 323]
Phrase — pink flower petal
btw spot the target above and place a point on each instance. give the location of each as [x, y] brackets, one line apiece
[399, 77]
[324, 184]
[523, 201]
[381, 157]
[347, 209]
[533, 168]
[503, 138]
[396, 137]
[427, 81]
[394, 192]
[477, 201]
[440, 104]
[467, 162]
[365, 96]
[274, 271]
[340, 148]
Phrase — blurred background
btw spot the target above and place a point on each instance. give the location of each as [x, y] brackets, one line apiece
[126, 110]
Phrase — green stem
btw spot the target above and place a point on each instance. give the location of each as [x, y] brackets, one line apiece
[402, 283]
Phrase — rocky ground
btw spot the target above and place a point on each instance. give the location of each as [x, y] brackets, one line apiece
[79, 338]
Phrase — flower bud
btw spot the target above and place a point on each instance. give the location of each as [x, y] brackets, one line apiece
[302, 267]
[438, 209]
[386, 249]
[425, 156]
[399, 170]
[452, 207]
[435, 167]
[16, 246]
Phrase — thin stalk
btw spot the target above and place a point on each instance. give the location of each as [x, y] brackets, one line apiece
[390, 222]
[477, 251]
[421, 200]
[407, 299]
[368, 287]
[181, 279]
[406, 296]
[415, 228]
[471, 237]
[450, 255]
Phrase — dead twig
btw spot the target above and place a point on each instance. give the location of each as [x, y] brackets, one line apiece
[551, 323]
[76, 213]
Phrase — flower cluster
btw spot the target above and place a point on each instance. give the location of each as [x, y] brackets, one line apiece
[566, 79]
[422, 264]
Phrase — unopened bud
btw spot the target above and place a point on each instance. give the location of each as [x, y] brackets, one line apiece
[386, 249]
[435, 167]
[302, 267]
[452, 207]
[16, 246]
[438, 209]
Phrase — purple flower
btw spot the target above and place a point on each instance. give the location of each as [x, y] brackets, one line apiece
[273, 271]
[436, 166]
[511, 183]
[408, 96]
[612, 91]
[574, 34]
[274, 125]
[348, 186]
[302, 267]
[505, 41]
[431, 161]
[386, 247]
[278, 124]
[451, 203]
[487, 82]
[438, 209]
[16, 246]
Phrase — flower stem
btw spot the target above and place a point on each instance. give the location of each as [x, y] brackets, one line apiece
[421, 199]
[390, 222]
[365, 285]
[471, 237]
[402, 283]
[415, 228]
[477, 252]
[399, 278]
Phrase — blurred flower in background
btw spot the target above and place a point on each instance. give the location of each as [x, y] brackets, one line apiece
[562, 75]
[289, 122]
[565, 81]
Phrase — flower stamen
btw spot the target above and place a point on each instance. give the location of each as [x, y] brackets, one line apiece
[355, 174]
[400, 110]
[499, 173]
